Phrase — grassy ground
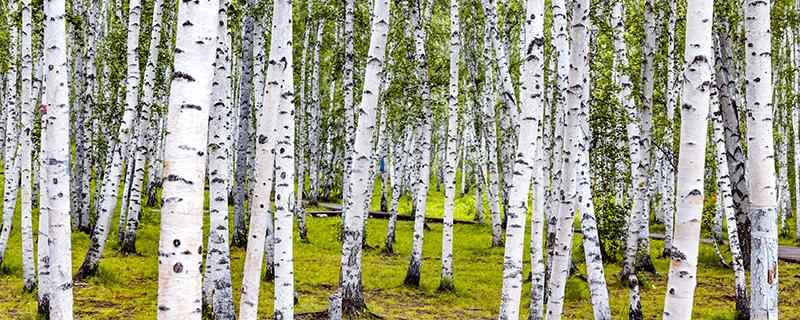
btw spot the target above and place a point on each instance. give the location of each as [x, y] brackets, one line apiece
[125, 287]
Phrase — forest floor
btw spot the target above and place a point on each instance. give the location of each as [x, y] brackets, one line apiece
[126, 286]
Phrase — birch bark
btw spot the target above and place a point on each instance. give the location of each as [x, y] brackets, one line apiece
[526, 163]
[763, 201]
[11, 138]
[181, 237]
[695, 99]
[142, 141]
[352, 297]
[243, 134]
[281, 59]
[724, 192]
[576, 96]
[110, 185]
[26, 150]
[446, 283]
[217, 287]
[56, 157]
[628, 273]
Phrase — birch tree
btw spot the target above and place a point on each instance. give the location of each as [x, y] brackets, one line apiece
[423, 147]
[11, 138]
[352, 296]
[724, 193]
[26, 150]
[44, 286]
[217, 287]
[730, 100]
[111, 179]
[243, 139]
[668, 196]
[446, 283]
[576, 96]
[281, 58]
[56, 158]
[181, 237]
[695, 99]
[763, 201]
[142, 142]
[625, 97]
[527, 145]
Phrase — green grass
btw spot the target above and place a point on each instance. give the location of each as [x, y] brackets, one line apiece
[126, 286]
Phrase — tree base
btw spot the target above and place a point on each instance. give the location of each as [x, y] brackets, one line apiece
[86, 270]
[412, 275]
[128, 248]
[645, 263]
[43, 307]
[29, 286]
[446, 285]
[269, 275]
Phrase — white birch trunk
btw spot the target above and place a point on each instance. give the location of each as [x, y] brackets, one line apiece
[695, 99]
[724, 193]
[217, 287]
[142, 141]
[576, 97]
[763, 201]
[796, 124]
[490, 132]
[111, 179]
[529, 140]
[350, 277]
[42, 241]
[281, 59]
[668, 194]
[181, 238]
[26, 150]
[11, 138]
[243, 134]
[423, 147]
[56, 158]
[451, 161]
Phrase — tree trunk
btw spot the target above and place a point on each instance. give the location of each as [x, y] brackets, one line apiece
[490, 132]
[42, 241]
[729, 98]
[695, 99]
[633, 132]
[643, 259]
[56, 158]
[668, 190]
[261, 218]
[110, 187]
[217, 287]
[26, 150]
[181, 236]
[284, 158]
[143, 141]
[11, 138]
[353, 302]
[796, 125]
[724, 193]
[347, 92]
[763, 202]
[243, 138]
[576, 97]
[423, 148]
[527, 144]
[446, 282]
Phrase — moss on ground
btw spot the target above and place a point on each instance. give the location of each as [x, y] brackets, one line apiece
[126, 286]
